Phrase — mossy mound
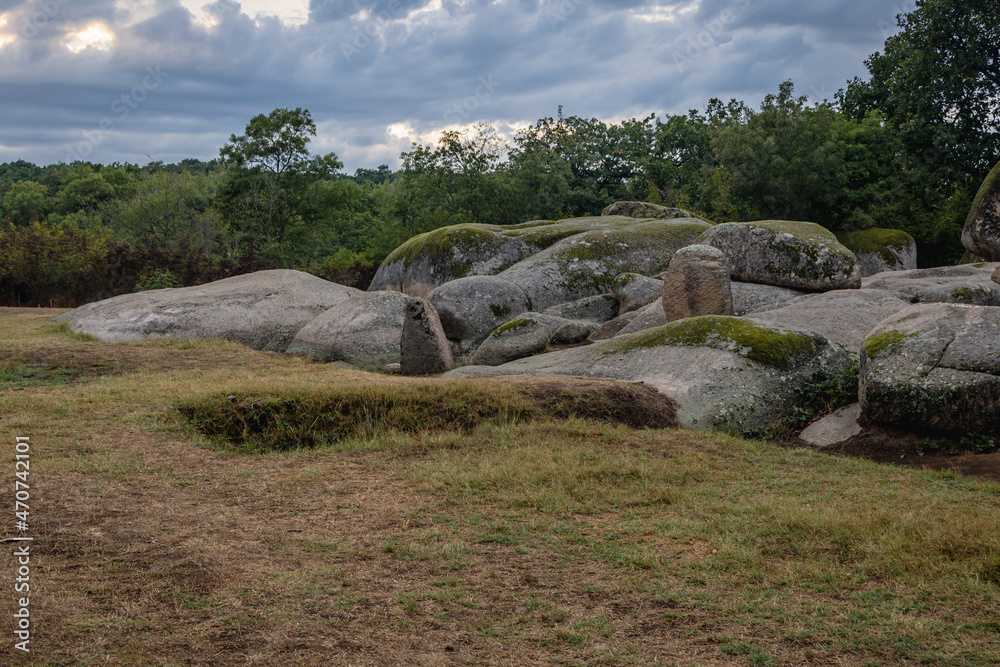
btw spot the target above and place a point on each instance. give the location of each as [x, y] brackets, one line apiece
[540, 236]
[981, 235]
[767, 345]
[587, 264]
[432, 259]
[642, 209]
[799, 255]
[881, 250]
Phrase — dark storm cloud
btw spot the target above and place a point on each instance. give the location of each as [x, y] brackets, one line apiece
[418, 65]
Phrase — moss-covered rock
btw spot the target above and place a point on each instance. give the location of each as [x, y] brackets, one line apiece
[981, 235]
[800, 255]
[470, 308]
[432, 259]
[775, 347]
[881, 250]
[641, 209]
[725, 373]
[521, 337]
[968, 284]
[587, 264]
[934, 366]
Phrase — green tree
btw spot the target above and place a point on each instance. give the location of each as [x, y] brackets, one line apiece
[784, 161]
[937, 82]
[271, 168]
[26, 201]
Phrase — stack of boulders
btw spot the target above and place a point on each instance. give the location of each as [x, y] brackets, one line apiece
[735, 321]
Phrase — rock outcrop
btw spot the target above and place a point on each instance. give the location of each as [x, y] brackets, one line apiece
[587, 264]
[981, 235]
[881, 250]
[694, 361]
[799, 255]
[364, 331]
[600, 309]
[432, 259]
[968, 283]
[470, 308]
[697, 283]
[263, 310]
[751, 297]
[842, 316]
[634, 291]
[423, 346]
[934, 366]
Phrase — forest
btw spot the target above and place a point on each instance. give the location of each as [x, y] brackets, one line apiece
[905, 148]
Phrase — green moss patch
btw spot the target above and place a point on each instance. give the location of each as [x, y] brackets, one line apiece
[515, 325]
[880, 242]
[443, 242]
[782, 349]
[882, 344]
[970, 294]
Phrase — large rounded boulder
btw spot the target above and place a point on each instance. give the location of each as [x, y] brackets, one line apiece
[799, 255]
[263, 310]
[981, 235]
[587, 264]
[641, 209]
[364, 331]
[934, 366]
[470, 308]
[881, 250]
[694, 361]
[432, 259]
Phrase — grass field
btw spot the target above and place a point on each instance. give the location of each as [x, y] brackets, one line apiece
[199, 503]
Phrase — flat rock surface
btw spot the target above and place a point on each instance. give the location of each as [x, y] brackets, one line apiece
[843, 316]
[837, 427]
[263, 310]
[967, 283]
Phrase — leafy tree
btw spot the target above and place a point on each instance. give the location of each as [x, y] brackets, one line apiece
[937, 83]
[784, 161]
[26, 201]
[271, 168]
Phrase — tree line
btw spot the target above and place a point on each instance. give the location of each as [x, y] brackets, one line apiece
[904, 149]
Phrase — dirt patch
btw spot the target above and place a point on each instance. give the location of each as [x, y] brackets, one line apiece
[612, 402]
[925, 451]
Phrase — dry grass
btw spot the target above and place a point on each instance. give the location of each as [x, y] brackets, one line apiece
[549, 538]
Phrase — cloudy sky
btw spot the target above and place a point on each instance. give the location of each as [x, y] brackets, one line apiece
[141, 80]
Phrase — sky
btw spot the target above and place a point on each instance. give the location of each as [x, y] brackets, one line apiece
[163, 80]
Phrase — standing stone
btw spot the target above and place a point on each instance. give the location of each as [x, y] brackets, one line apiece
[424, 349]
[697, 283]
[981, 235]
[996, 276]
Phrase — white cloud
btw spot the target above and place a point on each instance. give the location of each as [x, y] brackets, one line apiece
[95, 35]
